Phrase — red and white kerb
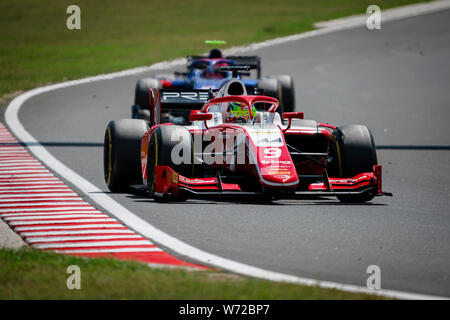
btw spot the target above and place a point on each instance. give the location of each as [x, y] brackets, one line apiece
[49, 215]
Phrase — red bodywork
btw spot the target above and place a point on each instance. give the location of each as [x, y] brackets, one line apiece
[270, 165]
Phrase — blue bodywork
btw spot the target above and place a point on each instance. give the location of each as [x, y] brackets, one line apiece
[205, 74]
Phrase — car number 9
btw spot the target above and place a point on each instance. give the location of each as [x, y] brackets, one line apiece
[271, 153]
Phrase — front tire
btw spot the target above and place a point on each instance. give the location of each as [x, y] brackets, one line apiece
[162, 141]
[353, 151]
[121, 153]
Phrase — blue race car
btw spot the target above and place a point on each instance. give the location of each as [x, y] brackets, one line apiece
[209, 73]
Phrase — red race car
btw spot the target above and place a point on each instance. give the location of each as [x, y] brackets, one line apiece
[238, 144]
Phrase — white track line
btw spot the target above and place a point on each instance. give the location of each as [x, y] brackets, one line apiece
[148, 230]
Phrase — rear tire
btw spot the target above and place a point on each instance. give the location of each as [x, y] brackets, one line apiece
[142, 94]
[121, 153]
[354, 152]
[162, 142]
[272, 88]
[287, 92]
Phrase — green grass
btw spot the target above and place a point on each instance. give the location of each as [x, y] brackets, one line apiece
[32, 274]
[36, 48]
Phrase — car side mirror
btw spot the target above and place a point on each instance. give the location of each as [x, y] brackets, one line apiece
[200, 116]
[292, 115]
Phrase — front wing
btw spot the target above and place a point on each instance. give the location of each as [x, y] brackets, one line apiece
[170, 183]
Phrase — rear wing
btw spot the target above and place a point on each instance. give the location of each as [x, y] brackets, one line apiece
[254, 62]
[237, 70]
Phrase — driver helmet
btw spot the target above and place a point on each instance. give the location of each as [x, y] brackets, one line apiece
[215, 54]
[239, 112]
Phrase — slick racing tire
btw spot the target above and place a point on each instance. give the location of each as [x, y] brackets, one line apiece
[354, 152]
[162, 141]
[272, 88]
[287, 92]
[121, 153]
[142, 94]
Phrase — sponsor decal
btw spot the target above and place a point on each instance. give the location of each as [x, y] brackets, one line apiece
[192, 96]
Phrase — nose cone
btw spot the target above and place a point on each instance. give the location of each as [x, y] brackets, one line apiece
[276, 176]
[276, 167]
[274, 163]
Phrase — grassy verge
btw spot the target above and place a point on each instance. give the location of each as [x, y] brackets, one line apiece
[32, 274]
[36, 47]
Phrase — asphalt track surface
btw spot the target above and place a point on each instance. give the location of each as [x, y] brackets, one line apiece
[394, 80]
